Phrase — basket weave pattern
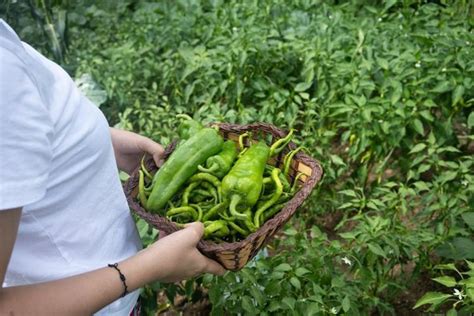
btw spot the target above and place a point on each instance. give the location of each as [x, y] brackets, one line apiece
[234, 256]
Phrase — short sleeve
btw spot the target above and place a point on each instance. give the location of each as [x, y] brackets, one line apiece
[26, 133]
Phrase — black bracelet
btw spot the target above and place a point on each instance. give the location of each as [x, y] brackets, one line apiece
[122, 278]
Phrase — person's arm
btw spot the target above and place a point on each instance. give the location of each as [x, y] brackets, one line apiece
[129, 148]
[172, 258]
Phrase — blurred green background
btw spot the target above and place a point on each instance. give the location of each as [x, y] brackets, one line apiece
[381, 92]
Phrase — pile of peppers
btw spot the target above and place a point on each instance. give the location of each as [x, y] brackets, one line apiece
[229, 187]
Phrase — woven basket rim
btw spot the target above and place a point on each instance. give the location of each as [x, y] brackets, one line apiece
[207, 246]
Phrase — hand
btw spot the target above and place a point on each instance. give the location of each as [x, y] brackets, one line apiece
[178, 258]
[130, 147]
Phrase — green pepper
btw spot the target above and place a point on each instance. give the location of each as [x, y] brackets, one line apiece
[273, 200]
[272, 211]
[213, 211]
[141, 188]
[242, 186]
[282, 175]
[183, 210]
[221, 163]
[202, 176]
[238, 229]
[144, 169]
[187, 192]
[188, 126]
[289, 158]
[181, 165]
[217, 228]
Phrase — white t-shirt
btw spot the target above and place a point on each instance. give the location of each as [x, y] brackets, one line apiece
[57, 162]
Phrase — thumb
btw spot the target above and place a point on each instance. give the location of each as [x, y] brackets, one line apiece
[154, 149]
[195, 231]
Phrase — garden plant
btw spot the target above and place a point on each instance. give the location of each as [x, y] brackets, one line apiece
[381, 92]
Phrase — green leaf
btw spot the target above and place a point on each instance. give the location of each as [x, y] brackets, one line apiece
[291, 231]
[274, 306]
[301, 271]
[418, 147]
[435, 298]
[418, 126]
[303, 86]
[443, 86]
[457, 94]
[447, 176]
[346, 304]
[446, 281]
[389, 4]
[421, 186]
[469, 220]
[470, 293]
[458, 248]
[283, 267]
[397, 92]
[295, 282]
[447, 266]
[467, 282]
[247, 304]
[470, 120]
[383, 63]
[376, 249]
[337, 160]
[470, 265]
[123, 176]
[290, 302]
[452, 312]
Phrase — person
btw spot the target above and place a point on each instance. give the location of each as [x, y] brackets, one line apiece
[69, 245]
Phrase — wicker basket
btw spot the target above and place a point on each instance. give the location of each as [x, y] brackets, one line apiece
[234, 256]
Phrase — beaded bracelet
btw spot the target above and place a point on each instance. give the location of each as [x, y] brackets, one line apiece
[122, 278]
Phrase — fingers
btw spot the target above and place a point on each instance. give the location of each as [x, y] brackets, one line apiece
[214, 268]
[197, 229]
[154, 149]
[162, 234]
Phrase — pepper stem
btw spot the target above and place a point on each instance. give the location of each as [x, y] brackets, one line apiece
[211, 169]
[280, 144]
[241, 139]
[234, 201]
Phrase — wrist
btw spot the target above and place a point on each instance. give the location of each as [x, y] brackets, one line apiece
[144, 267]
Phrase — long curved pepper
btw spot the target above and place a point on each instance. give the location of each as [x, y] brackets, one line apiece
[199, 209]
[141, 188]
[295, 182]
[289, 158]
[216, 228]
[187, 192]
[234, 201]
[213, 211]
[238, 229]
[212, 190]
[280, 144]
[202, 176]
[143, 168]
[273, 200]
[183, 210]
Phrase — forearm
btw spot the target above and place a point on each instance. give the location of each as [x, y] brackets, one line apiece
[123, 142]
[83, 294]
[130, 147]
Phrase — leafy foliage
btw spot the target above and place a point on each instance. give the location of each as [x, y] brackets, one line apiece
[381, 92]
